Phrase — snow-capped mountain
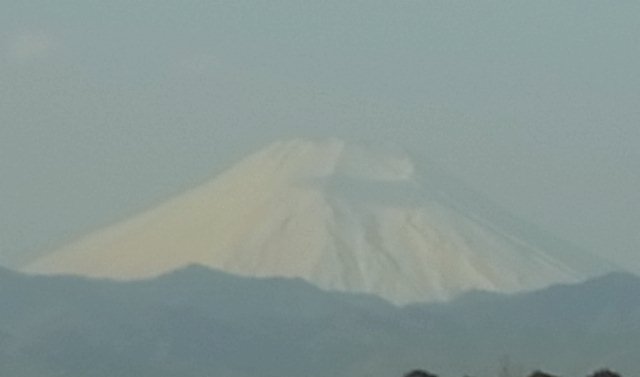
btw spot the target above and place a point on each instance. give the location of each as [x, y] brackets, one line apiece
[342, 216]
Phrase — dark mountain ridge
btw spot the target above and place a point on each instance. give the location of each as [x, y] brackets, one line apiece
[201, 322]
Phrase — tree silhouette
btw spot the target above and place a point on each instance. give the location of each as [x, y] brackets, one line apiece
[605, 373]
[539, 373]
[419, 373]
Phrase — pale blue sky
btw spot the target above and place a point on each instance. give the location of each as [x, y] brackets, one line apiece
[108, 107]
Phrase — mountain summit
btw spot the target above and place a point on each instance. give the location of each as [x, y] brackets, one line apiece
[342, 216]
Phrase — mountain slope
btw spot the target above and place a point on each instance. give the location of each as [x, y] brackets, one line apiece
[342, 216]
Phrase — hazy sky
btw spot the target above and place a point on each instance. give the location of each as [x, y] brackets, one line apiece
[108, 107]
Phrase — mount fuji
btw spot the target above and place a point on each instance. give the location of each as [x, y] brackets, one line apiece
[342, 216]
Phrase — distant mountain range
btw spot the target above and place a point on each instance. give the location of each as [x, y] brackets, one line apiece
[342, 216]
[201, 322]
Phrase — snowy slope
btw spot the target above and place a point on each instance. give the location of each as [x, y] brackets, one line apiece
[339, 215]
